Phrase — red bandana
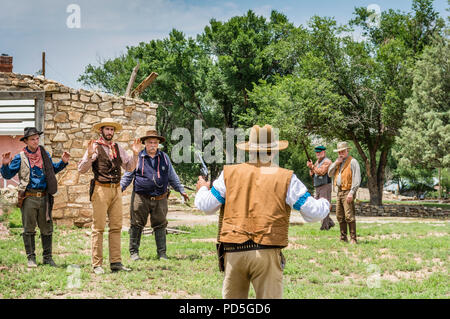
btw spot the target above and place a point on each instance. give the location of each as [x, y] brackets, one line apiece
[112, 150]
[35, 158]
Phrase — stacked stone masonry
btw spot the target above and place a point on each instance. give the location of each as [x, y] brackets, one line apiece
[69, 117]
[418, 211]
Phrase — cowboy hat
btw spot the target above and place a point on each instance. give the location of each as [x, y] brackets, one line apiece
[29, 131]
[342, 146]
[107, 122]
[152, 133]
[262, 139]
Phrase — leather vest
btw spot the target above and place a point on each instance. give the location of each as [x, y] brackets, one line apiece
[255, 205]
[107, 170]
[321, 180]
[346, 175]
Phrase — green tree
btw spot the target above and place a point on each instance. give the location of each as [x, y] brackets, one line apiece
[424, 140]
[352, 90]
[237, 48]
[180, 89]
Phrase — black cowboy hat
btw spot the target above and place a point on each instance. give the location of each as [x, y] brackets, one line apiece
[30, 131]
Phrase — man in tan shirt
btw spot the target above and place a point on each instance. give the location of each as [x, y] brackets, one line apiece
[106, 159]
[347, 177]
[322, 182]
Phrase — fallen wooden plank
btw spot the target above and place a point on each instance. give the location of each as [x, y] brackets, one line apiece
[144, 84]
[132, 78]
[149, 231]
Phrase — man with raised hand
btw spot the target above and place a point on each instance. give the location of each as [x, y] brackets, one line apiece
[106, 159]
[37, 185]
[347, 177]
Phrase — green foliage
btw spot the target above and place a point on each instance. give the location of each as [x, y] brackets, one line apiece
[351, 90]
[15, 218]
[424, 141]
[314, 81]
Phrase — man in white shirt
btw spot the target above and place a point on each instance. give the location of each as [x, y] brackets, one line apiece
[255, 201]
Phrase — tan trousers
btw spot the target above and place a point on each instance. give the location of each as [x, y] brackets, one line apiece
[106, 202]
[345, 212]
[261, 267]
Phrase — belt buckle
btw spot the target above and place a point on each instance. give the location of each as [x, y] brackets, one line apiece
[152, 198]
[38, 194]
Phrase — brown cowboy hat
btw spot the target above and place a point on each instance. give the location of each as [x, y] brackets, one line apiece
[152, 133]
[262, 139]
[107, 122]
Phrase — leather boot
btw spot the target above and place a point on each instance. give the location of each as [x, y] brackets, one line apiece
[160, 238]
[47, 250]
[343, 227]
[135, 241]
[30, 246]
[352, 227]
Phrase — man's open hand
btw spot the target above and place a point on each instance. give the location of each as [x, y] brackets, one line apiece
[6, 158]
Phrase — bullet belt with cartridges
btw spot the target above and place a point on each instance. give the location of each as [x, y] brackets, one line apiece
[248, 245]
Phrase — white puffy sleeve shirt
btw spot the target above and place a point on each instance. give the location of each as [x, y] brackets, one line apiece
[298, 198]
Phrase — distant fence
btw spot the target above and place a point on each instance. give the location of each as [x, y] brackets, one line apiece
[419, 211]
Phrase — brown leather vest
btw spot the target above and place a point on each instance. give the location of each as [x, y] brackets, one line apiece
[255, 205]
[346, 175]
[107, 170]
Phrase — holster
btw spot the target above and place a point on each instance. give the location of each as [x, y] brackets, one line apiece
[91, 189]
[221, 256]
[20, 198]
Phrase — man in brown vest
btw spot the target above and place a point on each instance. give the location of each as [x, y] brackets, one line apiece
[255, 199]
[347, 177]
[106, 158]
[37, 185]
[321, 180]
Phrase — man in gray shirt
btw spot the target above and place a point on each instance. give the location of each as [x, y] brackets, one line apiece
[347, 177]
[153, 174]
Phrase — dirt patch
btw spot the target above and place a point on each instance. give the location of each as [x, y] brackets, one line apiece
[419, 275]
[433, 234]
[4, 232]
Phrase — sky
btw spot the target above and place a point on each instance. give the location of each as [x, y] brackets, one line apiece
[104, 28]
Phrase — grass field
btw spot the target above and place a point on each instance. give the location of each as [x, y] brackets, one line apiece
[394, 259]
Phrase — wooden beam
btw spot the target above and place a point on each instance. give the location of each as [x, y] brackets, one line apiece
[43, 64]
[132, 78]
[144, 84]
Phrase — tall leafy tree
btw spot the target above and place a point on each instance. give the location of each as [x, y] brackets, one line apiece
[424, 140]
[237, 48]
[354, 90]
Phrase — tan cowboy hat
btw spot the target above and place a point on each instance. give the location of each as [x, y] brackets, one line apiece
[107, 121]
[342, 146]
[262, 139]
[152, 133]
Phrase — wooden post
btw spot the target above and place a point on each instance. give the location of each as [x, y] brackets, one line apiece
[144, 84]
[43, 64]
[132, 79]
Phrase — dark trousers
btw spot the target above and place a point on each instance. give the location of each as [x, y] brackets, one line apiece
[142, 206]
[33, 214]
